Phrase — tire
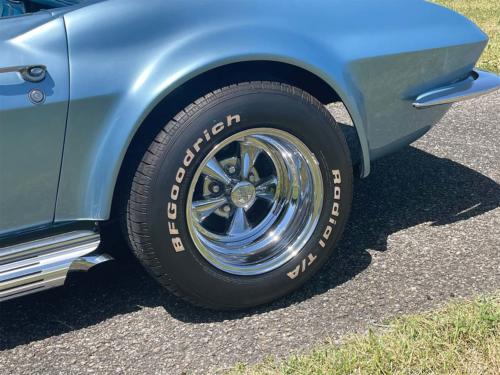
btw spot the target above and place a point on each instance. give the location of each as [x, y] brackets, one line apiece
[295, 183]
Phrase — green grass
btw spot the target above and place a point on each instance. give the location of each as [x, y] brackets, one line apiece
[486, 14]
[461, 338]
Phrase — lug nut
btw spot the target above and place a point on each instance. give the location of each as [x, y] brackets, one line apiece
[232, 169]
[226, 208]
[215, 189]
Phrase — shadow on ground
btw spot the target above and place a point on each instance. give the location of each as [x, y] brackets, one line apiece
[404, 190]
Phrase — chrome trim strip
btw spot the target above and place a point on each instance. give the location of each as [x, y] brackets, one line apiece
[476, 84]
[44, 263]
[87, 262]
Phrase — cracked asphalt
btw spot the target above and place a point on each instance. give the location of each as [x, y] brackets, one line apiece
[425, 229]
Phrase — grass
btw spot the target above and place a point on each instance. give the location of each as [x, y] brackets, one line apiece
[486, 14]
[461, 338]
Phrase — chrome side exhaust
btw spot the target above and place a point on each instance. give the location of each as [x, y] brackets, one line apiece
[44, 263]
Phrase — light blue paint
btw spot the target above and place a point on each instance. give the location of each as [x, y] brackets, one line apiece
[31, 136]
[125, 56]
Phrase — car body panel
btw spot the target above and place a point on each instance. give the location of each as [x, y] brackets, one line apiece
[126, 56]
[31, 136]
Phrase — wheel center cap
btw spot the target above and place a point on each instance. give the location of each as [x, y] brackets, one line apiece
[243, 194]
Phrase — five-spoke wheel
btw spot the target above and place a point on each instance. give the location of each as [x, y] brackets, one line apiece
[242, 196]
[254, 201]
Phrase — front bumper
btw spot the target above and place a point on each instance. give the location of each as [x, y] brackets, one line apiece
[476, 84]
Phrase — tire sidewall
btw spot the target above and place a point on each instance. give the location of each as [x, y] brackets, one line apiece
[221, 118]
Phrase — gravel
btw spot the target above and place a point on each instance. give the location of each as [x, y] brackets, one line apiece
[425, 229]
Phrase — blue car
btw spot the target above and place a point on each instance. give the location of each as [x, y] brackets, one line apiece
[199, 130]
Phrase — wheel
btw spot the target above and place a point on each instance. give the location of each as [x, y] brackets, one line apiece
[242, 196]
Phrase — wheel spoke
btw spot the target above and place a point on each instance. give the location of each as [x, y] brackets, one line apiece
[239, 223]
[254, 202]
[266, 189]
[248, 155]
[214, 170]
[204, 208]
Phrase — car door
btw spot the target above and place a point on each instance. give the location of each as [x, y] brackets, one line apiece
[34, 90]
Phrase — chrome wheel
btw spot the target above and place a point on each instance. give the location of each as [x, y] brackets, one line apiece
[254, 201]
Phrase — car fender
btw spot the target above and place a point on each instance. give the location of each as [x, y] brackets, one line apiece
[102, 126]
[126, 57]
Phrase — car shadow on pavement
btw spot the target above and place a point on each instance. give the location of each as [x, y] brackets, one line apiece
[404, 190]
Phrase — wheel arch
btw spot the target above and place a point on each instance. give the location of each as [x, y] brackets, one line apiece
[123, 130]
[174, 101]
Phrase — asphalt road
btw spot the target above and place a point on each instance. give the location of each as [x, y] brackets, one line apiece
[425, 229]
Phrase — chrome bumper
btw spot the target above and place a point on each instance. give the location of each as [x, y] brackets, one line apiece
[476, 84]
[44, 263]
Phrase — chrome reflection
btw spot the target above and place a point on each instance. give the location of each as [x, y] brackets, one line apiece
[255, 201]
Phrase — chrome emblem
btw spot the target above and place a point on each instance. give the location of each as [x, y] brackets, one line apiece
[243, 194]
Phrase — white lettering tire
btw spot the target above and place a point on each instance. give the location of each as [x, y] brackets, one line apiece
[242, 196]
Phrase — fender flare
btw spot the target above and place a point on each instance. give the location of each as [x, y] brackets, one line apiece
[98, 157]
